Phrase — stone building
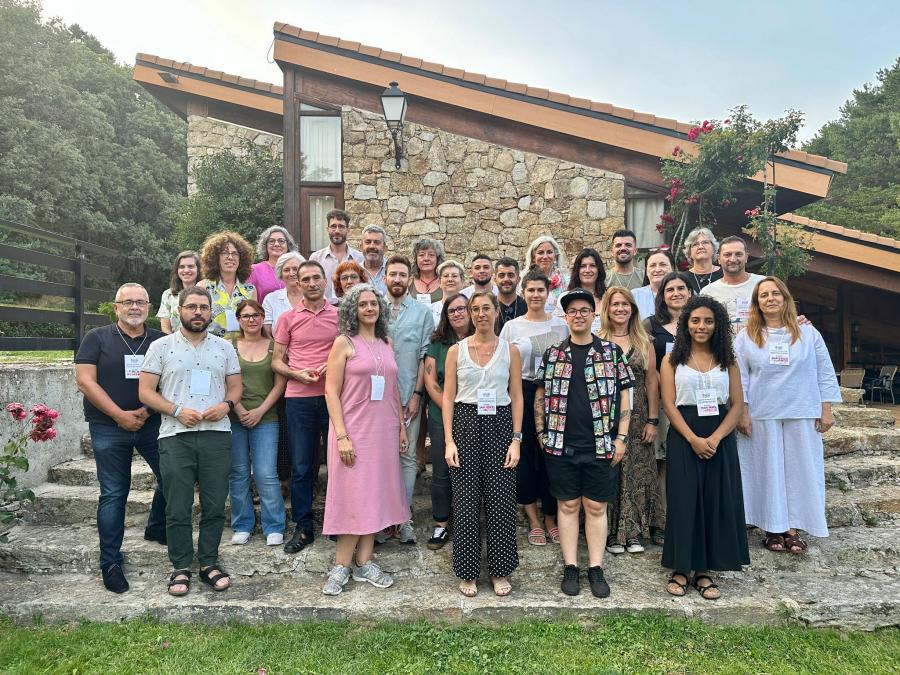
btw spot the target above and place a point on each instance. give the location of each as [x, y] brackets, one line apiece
[488, 165]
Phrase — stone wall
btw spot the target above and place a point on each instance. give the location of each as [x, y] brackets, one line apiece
[473, 195]
[209, 136]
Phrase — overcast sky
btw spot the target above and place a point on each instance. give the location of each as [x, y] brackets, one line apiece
[687, 60]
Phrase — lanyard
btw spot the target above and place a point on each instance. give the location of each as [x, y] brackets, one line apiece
[133, 352]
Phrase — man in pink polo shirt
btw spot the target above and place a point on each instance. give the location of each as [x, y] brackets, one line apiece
[303, 339]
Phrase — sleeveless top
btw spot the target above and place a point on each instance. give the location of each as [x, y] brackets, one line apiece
[688, 380]
[663, 340]
[470, 377]
[258, 381]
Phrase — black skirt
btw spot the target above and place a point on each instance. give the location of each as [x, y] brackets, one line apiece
[705, 529]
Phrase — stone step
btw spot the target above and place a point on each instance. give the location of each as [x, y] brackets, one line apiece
[873, 506]
[844, 601]
[859, 416]
[852, 396]
[84, 472]
[848, 472]
[843, 441]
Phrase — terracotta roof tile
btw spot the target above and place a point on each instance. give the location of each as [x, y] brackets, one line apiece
[477, 78]
[453, 72]
[537, 92]
[391, 56]
[307, 35]
[226, 78]
[601, 107]
[495, 82]
[556, 97]
[369, 51]
[328, 40]
[803, 221]
[347, 44]
[432, 67]
[516, 87]
[409, 61]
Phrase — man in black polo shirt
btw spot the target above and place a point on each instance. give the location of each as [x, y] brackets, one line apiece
[107, 370]
[512, 305]
[582, 410]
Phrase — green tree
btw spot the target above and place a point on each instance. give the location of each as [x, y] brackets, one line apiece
[84, 150]
[867, 137]
[242, 194]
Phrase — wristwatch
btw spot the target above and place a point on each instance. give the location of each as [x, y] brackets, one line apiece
[653, 420]
[230, 405]
[517, 436]
[621, 437]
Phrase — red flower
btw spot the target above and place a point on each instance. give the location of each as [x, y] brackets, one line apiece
[684, 265]
[726, 202]
[660, 227]
[673, 193]
[675, 182]
[676, 151]
[728, 121]
[693, 133]
[667, 218]
[555, 280]
[17, 411]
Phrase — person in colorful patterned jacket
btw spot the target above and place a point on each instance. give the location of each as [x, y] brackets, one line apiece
[582, 411]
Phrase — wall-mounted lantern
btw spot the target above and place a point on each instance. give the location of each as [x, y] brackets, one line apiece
[393, 102]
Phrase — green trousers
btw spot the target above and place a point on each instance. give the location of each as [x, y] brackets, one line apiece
[186, 459]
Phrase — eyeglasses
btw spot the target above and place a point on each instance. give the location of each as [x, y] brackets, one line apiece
[250, 317]
[193, 308]
[456, 310]
[280, 242]
[702, 242]
[140, 304]
[579, 311]
[230, 254]
[348, 277]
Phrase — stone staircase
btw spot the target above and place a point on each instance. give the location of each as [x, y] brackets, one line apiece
[49, 568]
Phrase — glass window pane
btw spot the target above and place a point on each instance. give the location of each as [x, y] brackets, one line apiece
[320, 149]
[319, 205]
[641, 217]
[307, 106]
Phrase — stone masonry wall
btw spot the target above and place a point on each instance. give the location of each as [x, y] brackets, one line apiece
[472, 195]
[210, 136]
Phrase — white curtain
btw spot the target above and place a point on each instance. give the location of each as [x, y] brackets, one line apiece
[319, 205]
[320, 148]
[641, 217]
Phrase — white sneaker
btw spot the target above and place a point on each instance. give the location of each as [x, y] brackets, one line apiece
[372, 573]
[407, 533]
[274, 539]
[240, 538]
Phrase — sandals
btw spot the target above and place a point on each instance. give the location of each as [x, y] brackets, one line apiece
[794, 541]
[210, 579]
[179, 578]
[704, 591]
[554, 534]
[468, 588]
[537, 537]
[502, 587]
[674, 582]
[774, 542]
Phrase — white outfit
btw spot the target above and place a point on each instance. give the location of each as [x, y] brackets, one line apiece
[646, 301]
[275, 304]
[468, 290]
[532, 339]
[494, 375]
[735, 297]
[436, 308]
[782, 463]
[688, 381]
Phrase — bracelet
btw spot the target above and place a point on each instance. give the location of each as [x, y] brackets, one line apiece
[653, 420]
[177, 411]
[621, 437]
[342, 437]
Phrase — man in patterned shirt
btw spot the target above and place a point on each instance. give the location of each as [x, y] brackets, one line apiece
[581, 412]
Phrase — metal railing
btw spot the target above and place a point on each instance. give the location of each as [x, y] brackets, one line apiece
[78, 290]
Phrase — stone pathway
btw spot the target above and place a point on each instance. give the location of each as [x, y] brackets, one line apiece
[49, 568]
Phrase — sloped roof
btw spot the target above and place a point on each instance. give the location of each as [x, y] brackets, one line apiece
[844, 232]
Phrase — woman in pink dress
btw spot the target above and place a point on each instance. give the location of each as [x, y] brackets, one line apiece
[366, 492]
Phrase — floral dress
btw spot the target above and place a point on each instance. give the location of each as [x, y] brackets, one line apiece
[224, 306]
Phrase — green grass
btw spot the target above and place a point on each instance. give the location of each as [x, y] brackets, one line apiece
[39, 357]
[622, 644]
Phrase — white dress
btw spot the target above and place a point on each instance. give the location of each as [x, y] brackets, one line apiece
[782, 463]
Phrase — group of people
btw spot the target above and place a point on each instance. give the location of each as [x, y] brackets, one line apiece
[613, 392]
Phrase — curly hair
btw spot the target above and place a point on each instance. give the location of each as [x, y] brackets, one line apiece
[347, 266]
[348, 315]
[213, 247]
[175, 283]
[444, 332]
[423, 245]
[720, 341]
[262, 244]
[663, 315]
[575, 279]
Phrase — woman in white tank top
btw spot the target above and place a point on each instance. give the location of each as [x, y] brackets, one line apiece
[702, 396]
[482, 411]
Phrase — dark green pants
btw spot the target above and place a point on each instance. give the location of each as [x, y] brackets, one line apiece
[186, 459]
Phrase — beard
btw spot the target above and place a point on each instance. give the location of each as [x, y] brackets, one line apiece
[397, 290]
[337, 238]
[188, 325]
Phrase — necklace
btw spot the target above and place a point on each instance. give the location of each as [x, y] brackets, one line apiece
[618, 334]
[709, 368]
[429, 285]
[493, 345]
[133, 352]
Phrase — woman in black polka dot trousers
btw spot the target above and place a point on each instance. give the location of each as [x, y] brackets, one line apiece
[482, 412]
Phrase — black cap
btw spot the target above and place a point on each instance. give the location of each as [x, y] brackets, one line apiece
[576, 294]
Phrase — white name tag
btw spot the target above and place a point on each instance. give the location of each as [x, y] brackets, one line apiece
[707, 402]
[487, 401]
[231, 322]
[779, 354]
[133, 365]
[424, 298]
[201, 381]
[743, 308]
[537, 363]
[377, 388]
[669, 347]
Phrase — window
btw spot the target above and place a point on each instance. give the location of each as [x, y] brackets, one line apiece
[319, 205]
[642, 212]
[320, 149]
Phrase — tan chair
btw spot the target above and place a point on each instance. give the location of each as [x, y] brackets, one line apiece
[883, 384]
[852, 378]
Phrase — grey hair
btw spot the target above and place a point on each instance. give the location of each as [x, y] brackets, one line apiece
[451, 263]
[561, 263]
[284, 259]
[131, 284]
[692, 237]
[375, 228]
[262, 252]
[348, 315]
[424, 244]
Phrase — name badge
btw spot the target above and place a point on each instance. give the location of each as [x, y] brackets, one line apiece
[201, 382]
[133, 365]
[669, 347]
[707, 403]
[743, 308]
[424, 298]
[487, 401]
[231, 322]
[537, 363]
[377, 388]
[779, 354]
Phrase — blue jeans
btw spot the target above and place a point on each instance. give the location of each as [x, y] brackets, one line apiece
[258, 446]
[307, 419]
[113, 449]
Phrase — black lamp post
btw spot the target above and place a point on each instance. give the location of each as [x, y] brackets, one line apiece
[393, 102]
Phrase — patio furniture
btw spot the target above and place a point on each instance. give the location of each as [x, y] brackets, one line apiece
[884, 383]
[852, 378]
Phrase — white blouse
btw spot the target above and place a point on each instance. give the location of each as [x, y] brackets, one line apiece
[688, 381]
[470, 377]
